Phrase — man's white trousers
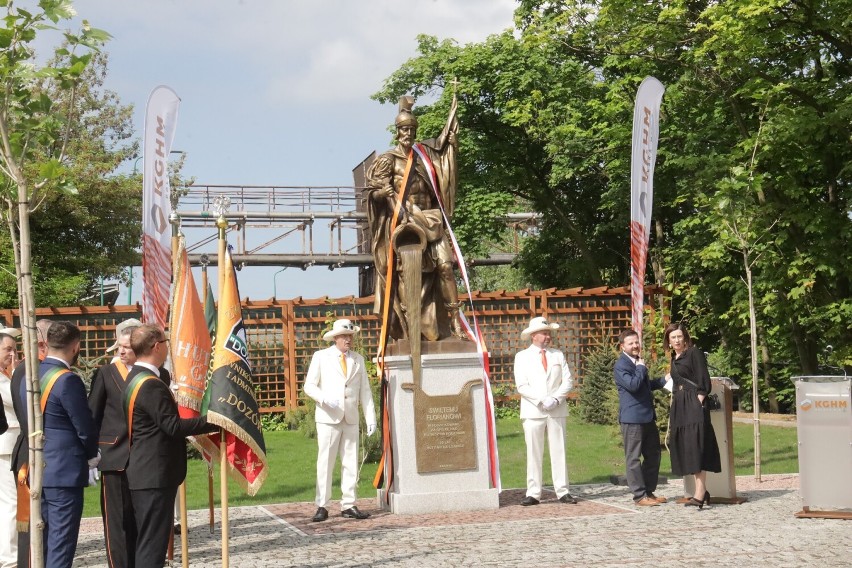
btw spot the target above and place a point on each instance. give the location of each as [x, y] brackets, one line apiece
[333, 440]
[535, 430]
[8, 511]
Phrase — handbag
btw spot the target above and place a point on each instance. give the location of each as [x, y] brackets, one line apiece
[711, 401]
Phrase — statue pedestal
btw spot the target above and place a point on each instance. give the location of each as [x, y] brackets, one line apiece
[438, 433]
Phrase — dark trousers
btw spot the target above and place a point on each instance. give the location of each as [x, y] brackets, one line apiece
[23, 549]
[61, 508]
[154, 510]
[119, 523]
[641, 440]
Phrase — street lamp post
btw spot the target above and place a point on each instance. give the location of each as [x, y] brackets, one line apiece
[275, 283]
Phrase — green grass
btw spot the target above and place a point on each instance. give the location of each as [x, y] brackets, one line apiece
[594, 453]
[779, 449]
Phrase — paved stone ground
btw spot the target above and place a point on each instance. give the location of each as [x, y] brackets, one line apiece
[604, 529]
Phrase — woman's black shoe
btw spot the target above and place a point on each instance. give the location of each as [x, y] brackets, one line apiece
[693, 502]
[706, 499]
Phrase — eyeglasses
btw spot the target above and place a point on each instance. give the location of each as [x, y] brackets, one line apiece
[161, 341]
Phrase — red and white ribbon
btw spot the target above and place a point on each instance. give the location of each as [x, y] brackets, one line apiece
[473, 333]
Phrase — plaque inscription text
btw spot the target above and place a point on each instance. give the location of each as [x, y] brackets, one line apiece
[444, 436]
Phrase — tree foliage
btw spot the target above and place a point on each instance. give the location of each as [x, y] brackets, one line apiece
[91, 228]
[35, 132]
[754, 129]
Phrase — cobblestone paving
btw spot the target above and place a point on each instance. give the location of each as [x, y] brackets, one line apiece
[605, 529]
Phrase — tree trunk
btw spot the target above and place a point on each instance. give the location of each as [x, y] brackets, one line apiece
[804, 348]
[766, 360]
[23, 262]
[755, 398]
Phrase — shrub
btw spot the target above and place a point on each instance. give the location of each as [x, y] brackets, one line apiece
[598, 401]
[505, 406]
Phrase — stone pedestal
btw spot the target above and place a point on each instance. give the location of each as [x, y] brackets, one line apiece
[443, 374]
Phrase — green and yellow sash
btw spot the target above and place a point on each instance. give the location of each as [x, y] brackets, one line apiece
[48, 380]
[130, 394]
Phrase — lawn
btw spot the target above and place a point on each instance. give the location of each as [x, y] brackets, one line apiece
[594, 453]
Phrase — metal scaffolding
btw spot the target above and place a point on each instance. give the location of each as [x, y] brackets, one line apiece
[308, 225]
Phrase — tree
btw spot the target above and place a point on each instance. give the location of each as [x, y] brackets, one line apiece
[34, 138]
[597, 403]
[546, 113]
[513, 94]
[101, 214]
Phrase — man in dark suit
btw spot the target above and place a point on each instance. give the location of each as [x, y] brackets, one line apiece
[106, 401]
[157, 464]
[637, 418]
[70, 444]
[21, 451]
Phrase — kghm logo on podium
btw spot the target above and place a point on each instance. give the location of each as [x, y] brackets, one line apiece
[836, 404]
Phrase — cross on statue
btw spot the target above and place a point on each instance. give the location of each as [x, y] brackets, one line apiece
[455, 84]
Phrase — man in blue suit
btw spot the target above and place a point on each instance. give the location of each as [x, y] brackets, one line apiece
[637, 418]
[70, 444]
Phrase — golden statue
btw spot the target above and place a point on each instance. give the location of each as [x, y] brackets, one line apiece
[430, 183]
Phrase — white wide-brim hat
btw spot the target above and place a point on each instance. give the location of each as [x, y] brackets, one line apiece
[132, 322]
[11, 332]
[539, 324]
[341, 327]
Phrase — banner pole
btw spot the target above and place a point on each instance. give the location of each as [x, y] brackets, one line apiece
[210, 496]
[174, 220]
[184, 541]
[222, 224]
[210, 504]
[223, 490]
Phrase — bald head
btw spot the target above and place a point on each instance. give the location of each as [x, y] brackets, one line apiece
[42, 326]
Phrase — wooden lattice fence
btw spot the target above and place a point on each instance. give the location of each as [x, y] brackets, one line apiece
[283, 334]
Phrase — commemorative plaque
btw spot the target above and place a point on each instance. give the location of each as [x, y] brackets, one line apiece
[443, 430]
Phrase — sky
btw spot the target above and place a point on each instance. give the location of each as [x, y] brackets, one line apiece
[276, 92]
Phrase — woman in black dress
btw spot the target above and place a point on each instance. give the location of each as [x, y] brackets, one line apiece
[693, 446]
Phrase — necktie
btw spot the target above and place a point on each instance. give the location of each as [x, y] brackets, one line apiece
[343, 364]
[544, 359]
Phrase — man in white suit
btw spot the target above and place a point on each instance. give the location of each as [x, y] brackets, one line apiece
[8, 484]
[543, 381]
[337, 381]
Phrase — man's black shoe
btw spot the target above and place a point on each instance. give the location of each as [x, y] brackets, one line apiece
[353, 513]
[177, 529]
[527, 501]
[568, 498]
[320, 515]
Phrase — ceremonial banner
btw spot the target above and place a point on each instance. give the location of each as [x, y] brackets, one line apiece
[646, 127]
[189, 338]
[160, 121]
[229, 400]
[210, 311]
